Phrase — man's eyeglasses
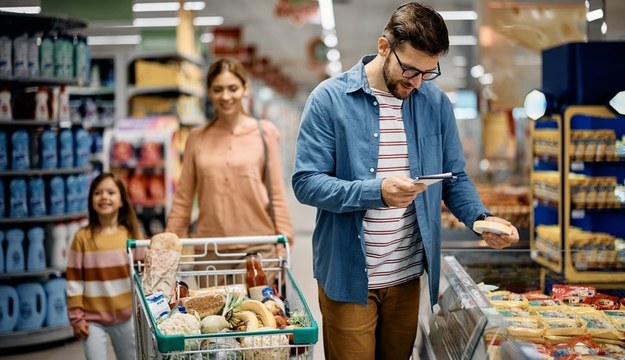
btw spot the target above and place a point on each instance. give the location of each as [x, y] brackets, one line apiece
[410, 72]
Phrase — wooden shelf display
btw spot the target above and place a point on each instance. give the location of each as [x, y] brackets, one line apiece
[577, 200]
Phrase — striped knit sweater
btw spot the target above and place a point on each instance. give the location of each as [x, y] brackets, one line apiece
[98, 278]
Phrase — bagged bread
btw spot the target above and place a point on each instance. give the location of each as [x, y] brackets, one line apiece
[161, 264]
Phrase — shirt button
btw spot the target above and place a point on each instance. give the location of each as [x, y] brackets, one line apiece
[375, 103]
[371, 170]
[375, 135]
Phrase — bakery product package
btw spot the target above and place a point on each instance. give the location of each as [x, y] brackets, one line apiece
[161, 264]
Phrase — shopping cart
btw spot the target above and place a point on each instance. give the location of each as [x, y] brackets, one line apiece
[260, 344]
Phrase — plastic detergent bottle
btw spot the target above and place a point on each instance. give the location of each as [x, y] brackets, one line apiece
[36, 259]
[9, 309]
[66, 148]
[46, 56]
[59, 249]
[56, 193]
[18, 198]
[48, 145]
[4, 159]
[1, 252]
[15, 251]
[20, 150]
[2, 201]
[32, 306]
[36, 196]
[5, 105]
[82, 146]
[56, 312]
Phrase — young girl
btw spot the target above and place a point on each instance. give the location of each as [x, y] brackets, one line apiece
[99, 300]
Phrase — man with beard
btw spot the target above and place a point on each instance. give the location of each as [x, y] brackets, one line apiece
[364, 136]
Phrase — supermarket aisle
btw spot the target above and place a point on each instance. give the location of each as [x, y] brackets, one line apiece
[303, 218]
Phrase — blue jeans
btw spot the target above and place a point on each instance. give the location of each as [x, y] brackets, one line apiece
[122, 337]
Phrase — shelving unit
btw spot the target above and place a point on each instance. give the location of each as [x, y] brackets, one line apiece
[142, 153]
[595, 261]
[14, 24]
[166, 83]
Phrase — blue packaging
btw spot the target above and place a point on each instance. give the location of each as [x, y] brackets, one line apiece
[14, 261]
[18, 198]
[20, 150]
[56, 192]
[2, 202]
[36, 256]
[71, 194]
[82, 146]
[4, 160]
[66, 148]
[36, 196]
[48, 146]
[97, 143]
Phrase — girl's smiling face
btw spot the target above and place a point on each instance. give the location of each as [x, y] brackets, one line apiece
[106, 199]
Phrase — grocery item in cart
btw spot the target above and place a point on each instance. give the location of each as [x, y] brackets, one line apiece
[161, 264]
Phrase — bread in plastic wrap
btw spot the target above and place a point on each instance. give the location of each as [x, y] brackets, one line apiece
[161, 264]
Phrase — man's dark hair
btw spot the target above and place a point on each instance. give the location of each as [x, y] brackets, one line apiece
[420, 26]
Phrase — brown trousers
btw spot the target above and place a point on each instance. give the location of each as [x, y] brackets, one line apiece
[384, 330]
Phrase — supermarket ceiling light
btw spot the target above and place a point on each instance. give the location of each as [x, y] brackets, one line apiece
[618, 102]
[538, 104]
[326, 13]
[458, 15]
[173, 21]
[206, 38]
[594, 15]
[22, 9]
[114, 40]
[167, 6]
[462, 40]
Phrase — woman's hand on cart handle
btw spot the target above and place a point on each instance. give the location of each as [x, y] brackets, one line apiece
[281, 250]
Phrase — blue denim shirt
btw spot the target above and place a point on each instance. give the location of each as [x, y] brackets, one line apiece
[335, 171]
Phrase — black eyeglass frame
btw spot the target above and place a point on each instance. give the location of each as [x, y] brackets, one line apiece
[406, 69]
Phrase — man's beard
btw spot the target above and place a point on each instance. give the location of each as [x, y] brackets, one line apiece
[393, 86]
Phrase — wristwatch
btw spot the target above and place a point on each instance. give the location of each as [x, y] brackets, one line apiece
[483, 216]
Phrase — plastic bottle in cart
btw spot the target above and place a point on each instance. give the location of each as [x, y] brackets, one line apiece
[255, 278]
[269, 295]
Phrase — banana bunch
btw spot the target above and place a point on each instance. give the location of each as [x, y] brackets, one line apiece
[252, 315]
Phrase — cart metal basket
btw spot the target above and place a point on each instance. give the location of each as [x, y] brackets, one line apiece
[260, 344]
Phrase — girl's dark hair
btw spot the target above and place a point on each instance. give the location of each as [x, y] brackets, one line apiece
[126, 215]
[222, 65]
[420, 26]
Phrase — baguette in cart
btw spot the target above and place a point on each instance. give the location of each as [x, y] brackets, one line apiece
[219, 321]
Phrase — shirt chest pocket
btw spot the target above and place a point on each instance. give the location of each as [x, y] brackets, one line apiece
[431, 154]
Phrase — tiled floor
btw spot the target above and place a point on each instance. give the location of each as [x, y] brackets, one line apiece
[303, 219]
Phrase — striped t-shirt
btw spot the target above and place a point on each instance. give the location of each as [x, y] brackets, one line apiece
[392, 237]
[98, 278]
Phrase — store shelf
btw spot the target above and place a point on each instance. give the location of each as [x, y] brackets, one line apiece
[28, 122]
[35, 337]
[32, 274]
[13, 23]
[90, 91]
[36, 81]
[168, 91]
[42, 219]
[44, 172]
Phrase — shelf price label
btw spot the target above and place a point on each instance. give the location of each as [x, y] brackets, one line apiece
[578, 214]
[577, 166]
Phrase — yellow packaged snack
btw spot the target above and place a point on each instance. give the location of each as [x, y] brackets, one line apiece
[525, 327]
[507, 299]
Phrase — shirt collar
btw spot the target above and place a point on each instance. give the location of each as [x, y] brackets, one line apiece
[357, 78]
